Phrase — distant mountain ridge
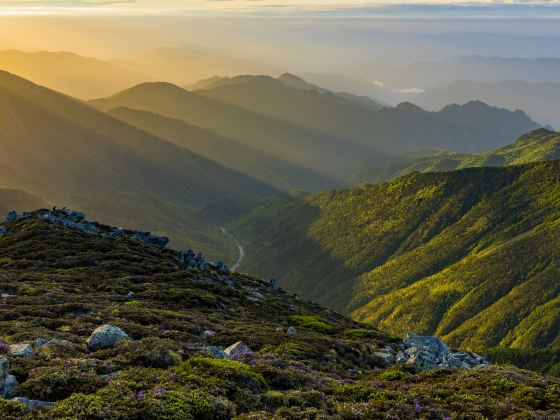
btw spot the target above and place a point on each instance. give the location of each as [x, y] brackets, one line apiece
[72, 74]
[538, 145]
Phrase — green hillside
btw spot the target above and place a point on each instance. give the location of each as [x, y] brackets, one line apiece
[472, 127]
[118, 329]
[228, 152]
[538, 145]
[471, 255]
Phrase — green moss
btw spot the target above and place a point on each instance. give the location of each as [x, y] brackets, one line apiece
[313, 322]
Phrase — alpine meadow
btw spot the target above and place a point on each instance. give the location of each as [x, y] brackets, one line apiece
[300, 210]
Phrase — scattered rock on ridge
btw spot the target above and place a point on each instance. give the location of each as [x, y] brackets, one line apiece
[8, 383]
[106, 336]
[206, 334]
[291, 331]
[273, 284]
[21, 350]
[33, 404]
[428, 352]
[238, 349]
[77, 220]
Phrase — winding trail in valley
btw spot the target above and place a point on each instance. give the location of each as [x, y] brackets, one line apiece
[240, 248]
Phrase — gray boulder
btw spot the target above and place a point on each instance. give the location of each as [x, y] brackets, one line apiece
[434, 344]
[4, 367]
[273, 284]
[238, 349]
[33, 404]
[21, 350]
[106, 336]
[291, 331]
[12, 217]
[40, 342]
[387, 358]
[215, 351]
[9, 386]
[206, 334]
[8, 383]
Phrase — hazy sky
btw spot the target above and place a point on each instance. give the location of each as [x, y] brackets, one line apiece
[255, 6]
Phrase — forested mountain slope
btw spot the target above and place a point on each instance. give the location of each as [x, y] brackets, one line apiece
[471, 254]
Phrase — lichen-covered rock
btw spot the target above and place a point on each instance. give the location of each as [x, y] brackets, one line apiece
[238, 349]
[21, 350]
[291, 331]
[106, 336]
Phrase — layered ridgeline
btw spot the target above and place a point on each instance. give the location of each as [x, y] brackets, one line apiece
[102, 323]
[468, 128]
[242, 157]
[471, 255]
[538, 145]
[66, 152]
[326, 132]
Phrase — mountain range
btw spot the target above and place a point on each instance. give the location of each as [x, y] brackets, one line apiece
[537, 99]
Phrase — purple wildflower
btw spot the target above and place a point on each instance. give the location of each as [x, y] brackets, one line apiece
[419, 407]
[140, 395]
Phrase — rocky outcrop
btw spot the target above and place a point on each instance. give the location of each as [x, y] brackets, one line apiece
[106, 336]
[192, 261]
[428, 352]
[77, 220]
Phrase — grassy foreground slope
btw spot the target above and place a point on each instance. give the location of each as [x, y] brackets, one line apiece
[61, 284]
[471, 255]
